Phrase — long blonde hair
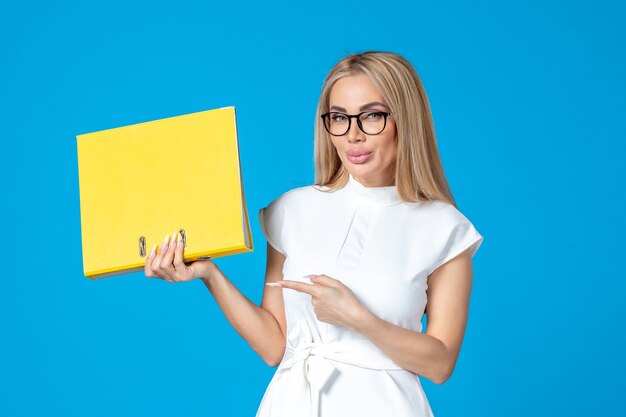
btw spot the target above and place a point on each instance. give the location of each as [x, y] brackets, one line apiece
[419, 174]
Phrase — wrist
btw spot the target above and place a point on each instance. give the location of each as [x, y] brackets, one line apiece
[364, 321]
[207, 275]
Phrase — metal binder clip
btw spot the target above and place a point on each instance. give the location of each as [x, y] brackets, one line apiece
[142, 246]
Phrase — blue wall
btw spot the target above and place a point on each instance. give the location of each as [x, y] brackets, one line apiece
[528, 100]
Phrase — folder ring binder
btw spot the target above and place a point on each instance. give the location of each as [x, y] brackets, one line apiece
[142, 246]
[184, 237]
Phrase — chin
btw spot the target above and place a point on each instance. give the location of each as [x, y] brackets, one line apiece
[360, 172]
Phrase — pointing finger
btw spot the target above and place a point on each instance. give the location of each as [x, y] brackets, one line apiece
[298, 286]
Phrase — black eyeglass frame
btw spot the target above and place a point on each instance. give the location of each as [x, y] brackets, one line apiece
[358, 121]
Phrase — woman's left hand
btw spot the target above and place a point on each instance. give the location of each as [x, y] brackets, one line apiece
[333, 302]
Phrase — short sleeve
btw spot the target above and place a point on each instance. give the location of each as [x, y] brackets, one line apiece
[272, 219]
[460, 236]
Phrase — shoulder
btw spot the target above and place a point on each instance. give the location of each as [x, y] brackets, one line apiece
[436, 219]
[445, 213]
[287, 218]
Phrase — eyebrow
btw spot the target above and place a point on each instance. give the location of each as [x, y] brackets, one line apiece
[363, 107]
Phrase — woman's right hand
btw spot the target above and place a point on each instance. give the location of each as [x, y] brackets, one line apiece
[168, 263]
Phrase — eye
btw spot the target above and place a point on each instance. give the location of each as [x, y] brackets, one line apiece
[375, 115]
[337, 117]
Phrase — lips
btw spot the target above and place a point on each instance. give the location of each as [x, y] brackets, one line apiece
[358, 156]
[357, 152]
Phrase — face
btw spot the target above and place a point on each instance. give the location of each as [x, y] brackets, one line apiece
[352, 95]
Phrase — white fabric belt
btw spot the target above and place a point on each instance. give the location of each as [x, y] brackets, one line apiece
[308, 366]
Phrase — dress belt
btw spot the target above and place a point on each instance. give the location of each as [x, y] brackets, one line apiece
[308, 366]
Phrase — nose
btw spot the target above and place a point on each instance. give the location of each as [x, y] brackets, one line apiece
[354, 133]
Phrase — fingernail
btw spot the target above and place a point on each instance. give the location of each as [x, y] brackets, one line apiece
[152, 251]
[273, 284]
[309, 276]
[173, 240]
[167, 238]
[179, 240]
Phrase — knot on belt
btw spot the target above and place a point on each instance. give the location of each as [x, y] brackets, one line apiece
[308, 357]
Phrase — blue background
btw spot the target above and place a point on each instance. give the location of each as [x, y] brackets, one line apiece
[528, 100]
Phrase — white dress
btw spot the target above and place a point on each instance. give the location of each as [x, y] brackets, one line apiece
[383, 249]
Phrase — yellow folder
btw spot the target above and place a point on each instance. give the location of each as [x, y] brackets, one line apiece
[141, 182]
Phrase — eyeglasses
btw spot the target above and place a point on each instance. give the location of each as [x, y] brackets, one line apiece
[370, 122]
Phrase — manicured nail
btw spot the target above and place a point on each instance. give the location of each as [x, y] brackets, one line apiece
[152, 251]
[179, 240]
[173, 240]
[309, 276]
[167, 238]
[273, 284]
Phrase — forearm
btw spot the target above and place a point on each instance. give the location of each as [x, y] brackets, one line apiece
[255, 325]
[417, 352]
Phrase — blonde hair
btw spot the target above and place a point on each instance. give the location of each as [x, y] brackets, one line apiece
[419, 174]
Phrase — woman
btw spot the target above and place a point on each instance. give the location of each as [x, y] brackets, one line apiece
[353, 259]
